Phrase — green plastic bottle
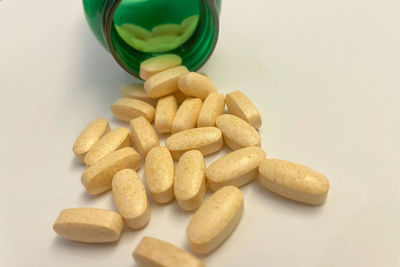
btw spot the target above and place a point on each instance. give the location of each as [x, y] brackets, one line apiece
[134, 30]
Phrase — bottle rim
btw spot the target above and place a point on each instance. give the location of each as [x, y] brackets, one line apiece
[107, 28]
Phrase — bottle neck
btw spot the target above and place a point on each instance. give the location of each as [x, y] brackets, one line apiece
[194, 51]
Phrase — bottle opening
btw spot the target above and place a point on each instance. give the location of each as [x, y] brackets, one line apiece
[156, 26]
[139, 29]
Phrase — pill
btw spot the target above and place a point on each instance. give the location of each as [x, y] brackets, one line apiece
[237, 133]
[186, 115]
[236, 168]
[215, 220]
[212, 107]
[130, 38]
[196, 85]
[154, 65]
[130, 198]
[187, 33]
[89, 225]
[189, 21]
[112, 141]
[165, 113]
[162, 43]
[182, 39]
[143, 135]
[138, 44]
[293, 181]
[152, 252]
[239, 105]
[180, 97]
[205, 139]
[127, 109]
[89, 136]
[164, 82]
[190, 182]
[159, 174]
[166, 29]
[98, 177]
[137, 31]
[188, 25]
[136, 90]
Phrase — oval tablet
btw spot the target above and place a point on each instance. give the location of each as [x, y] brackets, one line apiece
[239, 105]
[152, 252]
[98, 177]
[206, 139]
[165, 113]
[143, 135]
[89, 225]
[154, 65]
[237, 132]
[162, 43]
[293, 181]
[236, 168]
[159, 174]
[114, 140]
[89, 136]
[137, 31]
[166, 29]
[127, 109]
[212, 107]
[215, 220]
[130, 38]
[188, 28]
[196, 85]
[189, 21]
[186, 115]
[190, 182]
[136, 90]
[130, 198]
[164, 82]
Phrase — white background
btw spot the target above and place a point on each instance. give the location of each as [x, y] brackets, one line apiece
[324, 75]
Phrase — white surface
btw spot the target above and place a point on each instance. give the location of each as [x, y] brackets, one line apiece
[325, 76]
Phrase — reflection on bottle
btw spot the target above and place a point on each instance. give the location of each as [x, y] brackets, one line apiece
[162, 38]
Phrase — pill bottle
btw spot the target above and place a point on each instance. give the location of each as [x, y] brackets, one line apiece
[134, 30]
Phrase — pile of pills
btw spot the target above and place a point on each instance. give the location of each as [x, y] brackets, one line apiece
[187, 106]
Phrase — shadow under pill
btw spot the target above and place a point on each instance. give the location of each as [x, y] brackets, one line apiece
[118, 123]
[86, 197]
[284, 203]
[75, 164]
[179, 212]
[74, 246]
